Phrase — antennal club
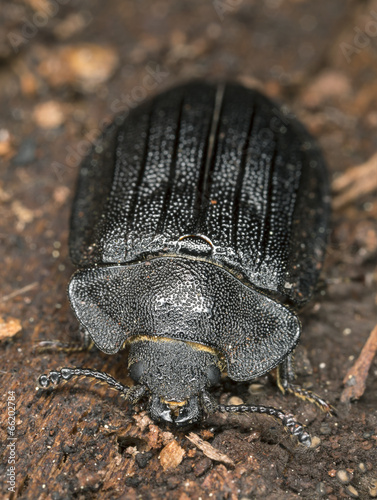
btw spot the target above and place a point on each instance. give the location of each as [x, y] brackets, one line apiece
[288, 421]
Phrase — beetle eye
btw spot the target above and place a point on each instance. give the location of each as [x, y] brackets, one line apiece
[137, 370]
[213, 374]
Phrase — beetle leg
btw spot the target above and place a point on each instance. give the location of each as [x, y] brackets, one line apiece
[86, 339]
[135, 393]
[286, 374]
[209, 403]
[285, 381]
[86, 344]
[289, 422]
[56, 346]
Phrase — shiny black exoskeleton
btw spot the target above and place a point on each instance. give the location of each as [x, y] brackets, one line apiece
[199, 227]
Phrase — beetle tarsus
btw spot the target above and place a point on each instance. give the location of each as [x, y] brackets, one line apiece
[312, 397]
[288, 421]
[57, 346]
[285, 381]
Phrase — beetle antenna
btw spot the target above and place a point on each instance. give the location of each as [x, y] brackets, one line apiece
[56, 376]
[289, 422]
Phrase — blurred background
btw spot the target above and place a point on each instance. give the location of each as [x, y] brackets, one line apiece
[66, 68]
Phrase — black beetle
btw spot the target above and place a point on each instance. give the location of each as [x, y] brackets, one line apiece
[199, 227]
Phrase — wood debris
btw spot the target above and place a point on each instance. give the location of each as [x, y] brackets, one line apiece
[356, 377]
[9, 328]
[171, 455]
[208, 450]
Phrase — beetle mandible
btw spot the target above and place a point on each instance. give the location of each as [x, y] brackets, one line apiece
[199, 229]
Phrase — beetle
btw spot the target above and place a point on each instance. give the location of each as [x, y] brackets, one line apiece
[199, 229]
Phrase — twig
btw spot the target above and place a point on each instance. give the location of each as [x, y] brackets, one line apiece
[20, 291]
[355, 182]
[356, 377]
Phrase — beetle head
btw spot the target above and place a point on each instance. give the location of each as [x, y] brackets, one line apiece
[176, 374]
